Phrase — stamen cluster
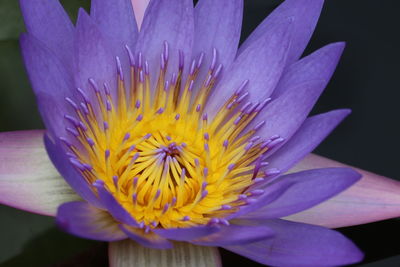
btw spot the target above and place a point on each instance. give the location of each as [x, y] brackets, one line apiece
[155, 150]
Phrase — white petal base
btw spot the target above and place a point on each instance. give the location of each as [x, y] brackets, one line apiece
[28, 179]
[128, 253]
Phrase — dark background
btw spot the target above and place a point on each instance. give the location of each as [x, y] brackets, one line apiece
[366, 80]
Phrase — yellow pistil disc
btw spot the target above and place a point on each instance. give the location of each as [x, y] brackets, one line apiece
[158, 154]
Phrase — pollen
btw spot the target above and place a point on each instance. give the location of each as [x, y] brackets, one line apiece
[155, 150]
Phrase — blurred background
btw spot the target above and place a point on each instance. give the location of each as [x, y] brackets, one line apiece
[366, 80]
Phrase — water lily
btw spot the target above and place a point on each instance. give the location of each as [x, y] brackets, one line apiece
[176, 139]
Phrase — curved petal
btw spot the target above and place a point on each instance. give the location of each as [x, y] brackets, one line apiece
[186, 234]
[28, 180]
[93, 56]
[302, 82]
[127, 253]
[167, 21]
[139, 6]
[261, 63]
[217, 25]
[149, 240]
[50, 81]
[373, 198]
[113, 206]
[235, 235]
[48, 21]
[320, 65]
[116, 20]
[271, 193]
[308, 137]
[81, 219]
[286, 113]
[297, 244]
[305, 14]
[309, 188]
[69, 173]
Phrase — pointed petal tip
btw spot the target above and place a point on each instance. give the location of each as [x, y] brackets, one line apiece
[346, 111]
[357, 256]
[340, 114]
[305, 13]
[337, 46]
[48, 22]
[82, 14]
[372, 198]
[352, 174]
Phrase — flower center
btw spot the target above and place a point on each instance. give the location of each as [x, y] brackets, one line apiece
[158, 154]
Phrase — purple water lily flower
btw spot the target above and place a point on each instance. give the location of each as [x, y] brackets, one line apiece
[172, 134]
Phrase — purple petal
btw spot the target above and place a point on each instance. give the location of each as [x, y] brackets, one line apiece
[127, 253]
[167, 21]
[298, 91]
[271, 193]
[373, 198]
[116, 21]
[320, 65]
[305, 14]
[286, 113]
[186, 234]
[38, 188]
[235, 235]
[308, 137]
[93, 56]
[71, 175]
[48, 22]
[262, 63]
[309, 188]
[83, 220]
[217, 25]
[115, 209]
[50, 81]
[149, 240]
[300, 245]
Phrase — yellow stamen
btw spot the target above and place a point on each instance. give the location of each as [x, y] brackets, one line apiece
[158, 154]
